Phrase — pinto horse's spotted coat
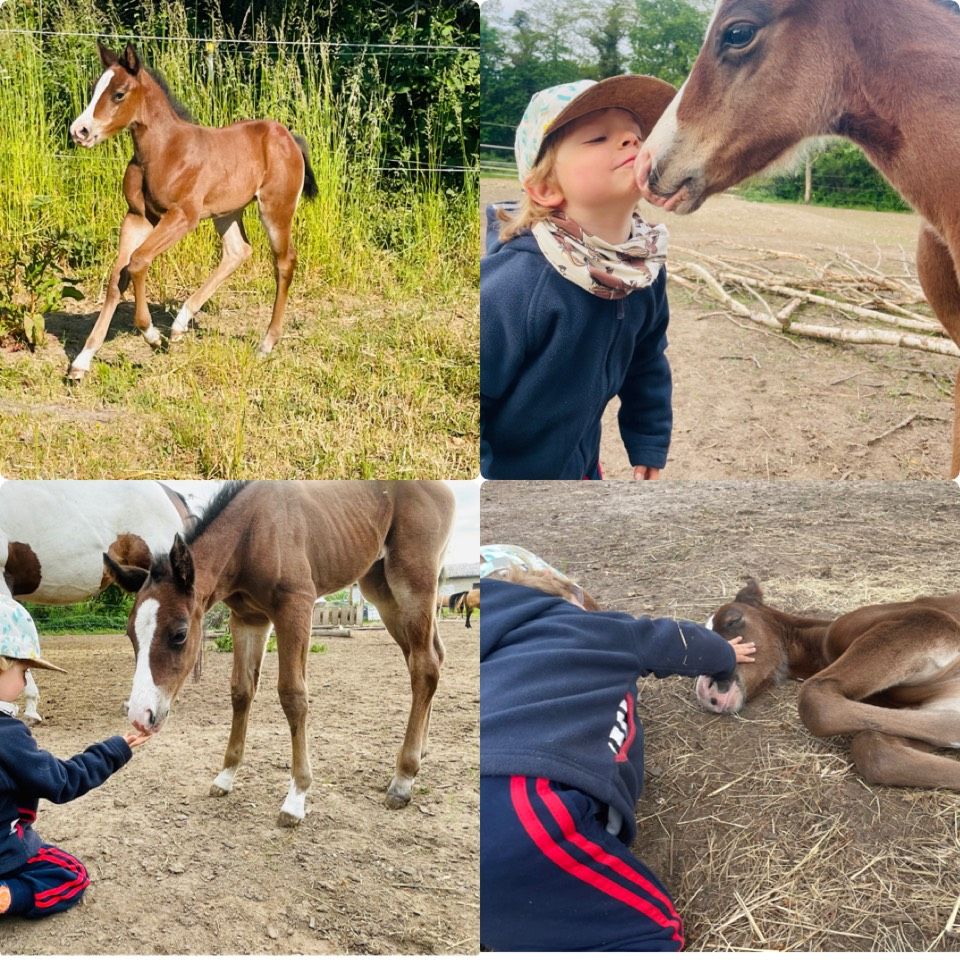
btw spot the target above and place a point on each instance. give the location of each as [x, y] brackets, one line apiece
[268, 550]
[182, 173]
[882, 73]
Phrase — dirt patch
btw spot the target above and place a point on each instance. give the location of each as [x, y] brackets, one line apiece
[765, 835]
[178, 872]
[751, 403]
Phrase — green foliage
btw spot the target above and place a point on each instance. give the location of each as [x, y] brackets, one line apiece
[665, 38]
[106, 613]
[224, 642]
[841, 177]
[318, 648]
[36, 276]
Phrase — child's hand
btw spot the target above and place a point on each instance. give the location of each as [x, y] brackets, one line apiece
[743, 648]
[136, 738]
[646, 473]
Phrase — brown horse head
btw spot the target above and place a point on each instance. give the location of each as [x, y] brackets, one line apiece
[166, 628]
[116, 100]
[762, 82]
[748, 617]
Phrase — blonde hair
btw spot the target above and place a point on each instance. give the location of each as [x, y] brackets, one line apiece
[531, 213]
[6, 663]
[546, 581]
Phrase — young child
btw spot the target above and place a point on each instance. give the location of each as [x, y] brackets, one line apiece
[37, 879]
[573, 305]
[561, 760]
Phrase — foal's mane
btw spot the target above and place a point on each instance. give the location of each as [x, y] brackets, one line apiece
[178, 108]
[223, 498]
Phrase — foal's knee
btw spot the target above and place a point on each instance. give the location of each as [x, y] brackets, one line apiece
[875, 757]
[814, 704]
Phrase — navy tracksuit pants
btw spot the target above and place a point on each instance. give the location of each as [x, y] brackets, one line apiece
[48, 883]
[552, 878]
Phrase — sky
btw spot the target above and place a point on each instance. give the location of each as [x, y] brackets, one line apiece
[464, 543]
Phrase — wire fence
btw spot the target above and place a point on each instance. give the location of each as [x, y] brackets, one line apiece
[338, 48]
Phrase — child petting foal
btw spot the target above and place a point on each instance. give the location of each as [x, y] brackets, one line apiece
[561, 759]
[37, 879]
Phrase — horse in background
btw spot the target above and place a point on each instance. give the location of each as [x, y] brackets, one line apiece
[880, 73]
[887, 674]
[54, 533]
[268, 549]
[182, 173]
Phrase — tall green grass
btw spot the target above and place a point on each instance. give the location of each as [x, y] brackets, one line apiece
[366, 231]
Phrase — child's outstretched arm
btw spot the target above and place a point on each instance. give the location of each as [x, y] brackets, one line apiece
[743, 649]
[41, 774]
[680, 647]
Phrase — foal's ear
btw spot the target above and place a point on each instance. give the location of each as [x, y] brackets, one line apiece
[181, 563]
[107, 57]
[751, 593]
[130, 579]
[129, 60]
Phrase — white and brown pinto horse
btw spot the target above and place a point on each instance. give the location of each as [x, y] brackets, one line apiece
[887, 674]
[54, 533]
[882, 73]
[182, 173]
[268, 550]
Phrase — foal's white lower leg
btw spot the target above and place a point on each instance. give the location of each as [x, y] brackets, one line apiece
[32, 694]
[235, 251]
[134, 230]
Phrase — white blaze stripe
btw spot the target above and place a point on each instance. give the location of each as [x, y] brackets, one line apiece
[296, 801]
[709, 623]
[145, 695]
[661, 137]
[87, 115]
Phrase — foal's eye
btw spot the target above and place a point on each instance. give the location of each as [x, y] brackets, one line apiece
[118, 96]
[739, 35]
[177, 639]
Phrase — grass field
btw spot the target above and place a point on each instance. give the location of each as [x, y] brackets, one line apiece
[377, 374]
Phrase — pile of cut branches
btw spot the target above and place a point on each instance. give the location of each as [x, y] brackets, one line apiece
[886, 307]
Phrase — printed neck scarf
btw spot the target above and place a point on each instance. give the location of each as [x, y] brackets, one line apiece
[11, 709]
[610, 271]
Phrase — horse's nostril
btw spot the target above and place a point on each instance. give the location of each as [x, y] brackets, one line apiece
[151, 717]
[713, 701]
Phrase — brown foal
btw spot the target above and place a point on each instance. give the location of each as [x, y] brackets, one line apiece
[182, 173]
[887, 674]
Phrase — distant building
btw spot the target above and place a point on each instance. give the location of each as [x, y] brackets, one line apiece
[460, 576]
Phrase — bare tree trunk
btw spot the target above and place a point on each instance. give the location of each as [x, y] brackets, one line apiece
[807, 179]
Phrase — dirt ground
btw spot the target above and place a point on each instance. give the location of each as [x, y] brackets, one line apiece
[750, 403]
[765, 835]
[178, 872]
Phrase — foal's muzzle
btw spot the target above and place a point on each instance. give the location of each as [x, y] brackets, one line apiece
[725, 696]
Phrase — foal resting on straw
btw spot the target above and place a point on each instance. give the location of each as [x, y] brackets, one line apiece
[887, 674]
[182, 173]
[882, 73]
[268, 550]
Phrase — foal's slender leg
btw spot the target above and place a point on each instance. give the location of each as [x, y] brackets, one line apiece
[249, 644]
[277, 217]
[293, 623]
[938, 277]
[171, 227]
[133, 231]
[890, 654]
[901, 762]
[236, 249]
[406, 598]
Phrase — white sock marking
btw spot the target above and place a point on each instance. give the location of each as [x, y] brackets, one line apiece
[82, 360]
[183, 320]
[152, 335]
[296, 802]
[224, 779]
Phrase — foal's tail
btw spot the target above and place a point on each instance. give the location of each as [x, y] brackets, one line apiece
[309, 180]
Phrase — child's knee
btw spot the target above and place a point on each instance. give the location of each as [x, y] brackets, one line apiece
[59, 881]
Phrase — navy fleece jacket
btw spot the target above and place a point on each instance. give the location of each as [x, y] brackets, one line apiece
[558, 689]
[29, 774]
[552, 356]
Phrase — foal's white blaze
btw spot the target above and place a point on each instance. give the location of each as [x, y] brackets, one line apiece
[296, 803]
[86, 119]
[148, 704]
[664, 131]
[709, 623]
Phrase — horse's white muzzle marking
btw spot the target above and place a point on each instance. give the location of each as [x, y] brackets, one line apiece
[711, 698]
[149, 705]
